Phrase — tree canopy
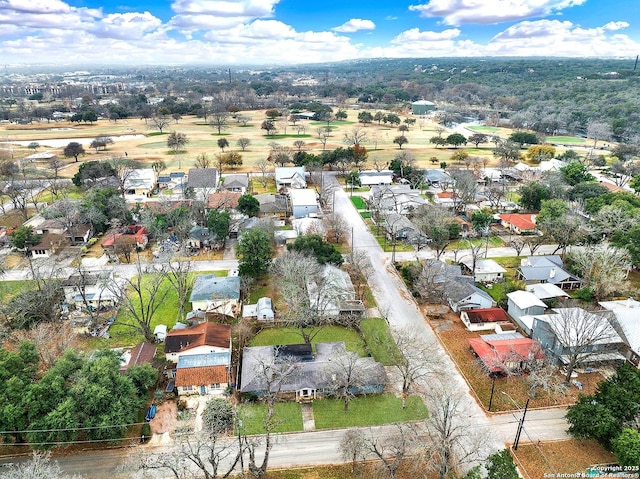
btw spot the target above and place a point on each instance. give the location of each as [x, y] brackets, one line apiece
[314, 245]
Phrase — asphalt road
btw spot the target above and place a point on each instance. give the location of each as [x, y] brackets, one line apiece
[322, 447]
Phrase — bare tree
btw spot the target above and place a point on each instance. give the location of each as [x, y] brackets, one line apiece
[495, 194]
[50, 339]
[390, 450]
[355, 137]
[202, 161]
[323, 135]
[414, 357]
[160, 122]
[243, 143]
[598, 130]
[574, 335]
[336, 226]
[141, 297]
[346, 373]
[40, 466]
[179, 273]
[55, 166]
[452, 440]
[438, 224]
[604, 268]
[544, 375]
[219, 120]
[518, 245]
[264, 166]
[124, 169]
[359, 266]
[306, 291]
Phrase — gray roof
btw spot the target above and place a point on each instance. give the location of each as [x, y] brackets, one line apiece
[211, 287]
[458, 290]
[545, 268]
[442, 272]
[309, 374]
[270, 203]
[202, 178]
[236, 181]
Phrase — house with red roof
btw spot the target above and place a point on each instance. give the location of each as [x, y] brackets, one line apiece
[519, 223]
[484, 319]
[507, 353]
[202, 338]
[203, 373]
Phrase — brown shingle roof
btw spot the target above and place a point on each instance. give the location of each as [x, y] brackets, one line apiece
[223, 200]
[205, 334]
[202, 376]
[142, 353]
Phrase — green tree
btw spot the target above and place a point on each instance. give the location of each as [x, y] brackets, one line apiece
[583, 191]
[634, 183]
[92, 171]
[341, 115]
[177, 141]
[219, 222]
[456, 139]
[223, 143]
[478, 138]
[217, 416]
[400, 140]
[626, 447]
[532, 195]
[481, 221]
[89, 116]
[248, 205]
[23, 237]
[365, 117]
[438, 141]
[256, 251]
[524, 138]
[73, 150]
[500, 465]
[551, 210]
[576, 172]
[269, 126]
[315, 246]
[391, 118]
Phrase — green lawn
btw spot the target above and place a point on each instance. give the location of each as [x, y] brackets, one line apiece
[359, 203]
[8, 289]
[494, 242]
[277, 336]
[367, 411]
[484, 128]
[387, 247]
[378, 339]
[123, 334]
[288, 416]
[365, 214]
[565, 139]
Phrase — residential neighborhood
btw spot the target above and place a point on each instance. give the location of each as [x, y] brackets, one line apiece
[226, 280]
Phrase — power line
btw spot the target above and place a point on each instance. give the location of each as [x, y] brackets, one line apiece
[26, 431]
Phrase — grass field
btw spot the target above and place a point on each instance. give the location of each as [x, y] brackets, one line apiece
[367, 411]
[359, 203]
[380, 343]
[276, 336]
[565, 139]
[288, 417]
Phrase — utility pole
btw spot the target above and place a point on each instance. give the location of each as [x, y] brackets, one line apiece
[520, 425]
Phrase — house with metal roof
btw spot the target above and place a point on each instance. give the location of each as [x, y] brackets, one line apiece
[502, 354]
[524, 303]
[483, 319]
[216, 294]
[203, 374]
[291, 177]
[547, 269]
[486, 270]
[626, 320]
[203, 338]
[462, 295]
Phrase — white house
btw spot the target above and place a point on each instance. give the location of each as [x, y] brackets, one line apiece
[140, 181]
[375, 177]
[203, 338]
[524, 303]
[262, 310]
[627, 322]
[486, 270]
[291, 177]
[303, 202]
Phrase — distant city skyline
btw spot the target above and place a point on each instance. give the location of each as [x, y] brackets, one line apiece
[279, 32]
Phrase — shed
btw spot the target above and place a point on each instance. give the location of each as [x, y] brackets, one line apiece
[422, 107]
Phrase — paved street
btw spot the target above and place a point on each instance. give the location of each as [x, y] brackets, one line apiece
[395, 303]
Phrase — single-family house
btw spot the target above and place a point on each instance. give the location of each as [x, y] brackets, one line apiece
[140, 354]
[486, 270]
[304, 202]
[140, 182]
[375, 177]
[401, 199]
[216, 294]
[49, 244]
[436, 177]
[200, 237]
[308, 374]
[92, 290]
[223, 200]
[447, 199]
[44, 157]
[262, 310]
[54, 226]
[78, 234]
[570, 331]
[236, 183]
[291, 177]
[202, 338]
[462, 295]
[524, 303]
[399, 227]
[203, 374]
[273, 205]
[333, 294]
[546, 291]
[626, 320]
[135, 235]
[502, 354]
[202, 182]
[484, 319]
[519, 223]
[547, 269]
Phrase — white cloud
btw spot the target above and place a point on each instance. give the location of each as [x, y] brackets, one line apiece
[126, 25]
[459, 12]
[556, 38]
[354, 25]
[204, 14]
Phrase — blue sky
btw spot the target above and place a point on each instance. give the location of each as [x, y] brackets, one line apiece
[304, 31]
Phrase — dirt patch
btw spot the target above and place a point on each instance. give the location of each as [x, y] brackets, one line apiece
[166, 418]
